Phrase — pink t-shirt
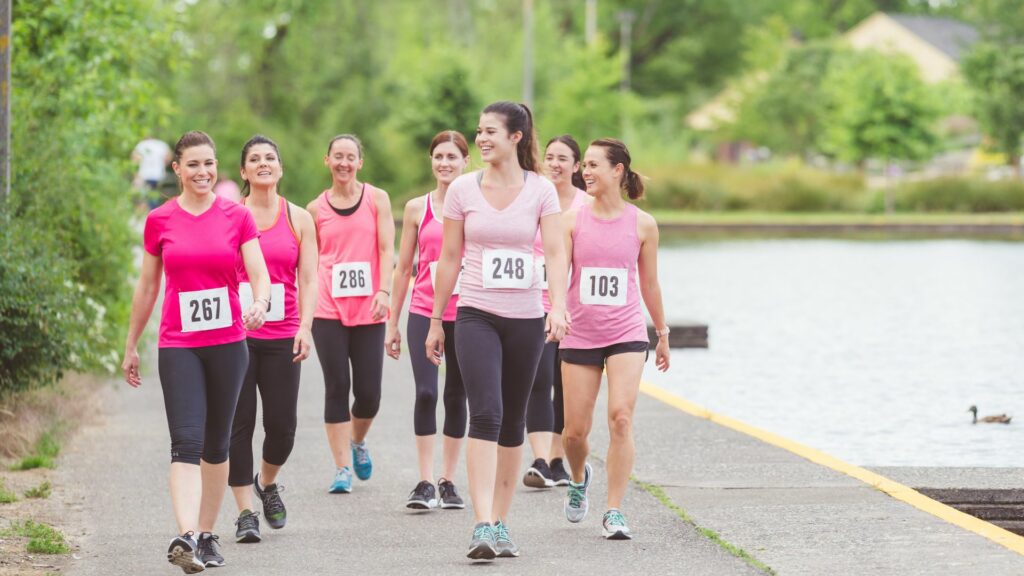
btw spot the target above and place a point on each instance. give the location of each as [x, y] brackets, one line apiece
[428, 241]
[579, 199]
[499, 276]
[280, 247]
[199, 254]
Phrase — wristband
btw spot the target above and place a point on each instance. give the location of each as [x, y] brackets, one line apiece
[438, 318]
[660, 333]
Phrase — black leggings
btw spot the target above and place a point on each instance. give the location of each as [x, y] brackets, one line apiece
[424, 372]
[272, 371]
[544, 414]
[336, 346]
[200, 388]
[498, 357]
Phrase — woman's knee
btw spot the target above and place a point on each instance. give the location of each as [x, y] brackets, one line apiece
[620, 424]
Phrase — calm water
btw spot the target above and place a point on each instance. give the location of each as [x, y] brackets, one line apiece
[870, 351]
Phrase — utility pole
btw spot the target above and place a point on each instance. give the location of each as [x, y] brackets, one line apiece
[528, 53]
[591, 22]
[626, 18]
[5, 104]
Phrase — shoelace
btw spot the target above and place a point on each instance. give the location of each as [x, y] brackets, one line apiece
[207, 545]
[362, 455]
[615, 518]
[421, 489]
[483, 533]
[247, 521]
[501, 532]
[273, 504]
[576, 496]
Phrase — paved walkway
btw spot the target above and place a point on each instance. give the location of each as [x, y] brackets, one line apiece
[794, 516]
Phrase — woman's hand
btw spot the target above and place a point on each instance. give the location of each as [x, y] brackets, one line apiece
[256, 315]
[661, 352]
[435, 342]
[130, 367]
[303, 343]
[380, 305]
[393, 341]
[556, 326]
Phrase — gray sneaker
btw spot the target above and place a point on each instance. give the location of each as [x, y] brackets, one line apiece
[614, 526]
[503, 543]
[481, 547]
[209, 550]
[576, 502]
[182, 553]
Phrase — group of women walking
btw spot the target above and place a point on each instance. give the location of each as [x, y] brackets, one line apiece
[526, 287]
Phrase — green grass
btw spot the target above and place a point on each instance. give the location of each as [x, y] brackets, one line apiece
[41, 491]
[793, 218]
[6, 496]
[42, 539]
[659, 493]
[47, 449]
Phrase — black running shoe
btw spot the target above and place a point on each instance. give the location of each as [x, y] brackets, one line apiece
[450, 499]
[538, 475]
[422, 497]
[182, 553]
[558, 473]
[248, 531]
[273, 507]
[209, 550]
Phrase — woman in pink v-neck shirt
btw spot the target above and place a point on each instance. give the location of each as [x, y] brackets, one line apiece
[195, 240]
[494, 214]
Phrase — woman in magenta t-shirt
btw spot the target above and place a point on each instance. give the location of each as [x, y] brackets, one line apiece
[494, 214]
[195, 241]
[613, 248]
[421, 233]
[288, 242]
[356, 237]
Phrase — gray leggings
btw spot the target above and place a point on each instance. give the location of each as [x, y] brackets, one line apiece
[498, 358]
[424, 419]
[201, 388]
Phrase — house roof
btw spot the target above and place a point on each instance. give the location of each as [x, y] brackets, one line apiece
[952, 37]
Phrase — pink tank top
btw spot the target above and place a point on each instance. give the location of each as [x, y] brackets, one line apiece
[428, 240]
[280, 248]
[604, 298]
[348, 273]
[538, 253]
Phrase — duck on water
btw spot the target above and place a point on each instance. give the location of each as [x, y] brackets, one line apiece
[993, 419]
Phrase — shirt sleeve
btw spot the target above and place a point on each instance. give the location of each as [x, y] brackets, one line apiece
[151, 236]
[548, 198]
[454, 207]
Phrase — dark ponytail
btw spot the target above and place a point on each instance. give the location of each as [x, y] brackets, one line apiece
[257, 139]
[519, 118]
[617, 153]
[577, 176]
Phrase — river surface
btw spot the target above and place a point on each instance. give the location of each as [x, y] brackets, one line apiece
[871, 351]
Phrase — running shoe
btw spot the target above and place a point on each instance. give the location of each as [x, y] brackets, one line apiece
[361, 461]
[503, 543]
[422, 497]
[558, 473]
[209, 550]
[273, 507]
[342, 481]
[538, 475]
[182, 553]
[576, 502]
[450, 499]
[247, 528]
[481, 547]
[614, 526]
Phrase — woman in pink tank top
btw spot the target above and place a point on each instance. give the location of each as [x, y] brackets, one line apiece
[356, 239]
[288, 241]
[545, 414]
[613, 249]
[422, 234]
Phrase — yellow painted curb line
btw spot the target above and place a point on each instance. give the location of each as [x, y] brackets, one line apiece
[898, 491]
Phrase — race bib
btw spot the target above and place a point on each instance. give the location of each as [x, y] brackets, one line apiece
[603, 286]
[350, 279]
[204, 309]
[276, 311]
[458, 280]
[507, 269]
[541, 270]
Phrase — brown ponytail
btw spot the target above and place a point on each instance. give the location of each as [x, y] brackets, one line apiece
[519, 118]
[617, 153]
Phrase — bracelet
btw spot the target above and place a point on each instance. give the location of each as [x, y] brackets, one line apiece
[265, 301]
[660, 333]
[437, 318]
[384, 291]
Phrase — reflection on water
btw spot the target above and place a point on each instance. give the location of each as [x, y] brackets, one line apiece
[870, 351]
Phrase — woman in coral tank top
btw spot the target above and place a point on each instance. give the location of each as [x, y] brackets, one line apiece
[612, 244]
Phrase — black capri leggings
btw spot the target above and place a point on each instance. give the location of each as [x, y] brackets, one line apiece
[272, 371]
[425, 374]
[498, 357]
[200, 388]
[336, 346]
[542, 413]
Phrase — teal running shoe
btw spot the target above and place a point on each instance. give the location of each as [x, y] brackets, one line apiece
[614, 526]
[361, 461]
[503, 543]
[576, 501]
[481, 547]
[342, 481]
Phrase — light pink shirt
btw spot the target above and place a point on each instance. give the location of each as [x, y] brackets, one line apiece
[506, 238]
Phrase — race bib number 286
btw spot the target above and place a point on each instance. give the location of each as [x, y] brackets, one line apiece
[350, 279]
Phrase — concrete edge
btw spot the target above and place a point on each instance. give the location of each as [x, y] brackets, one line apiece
[894, 489]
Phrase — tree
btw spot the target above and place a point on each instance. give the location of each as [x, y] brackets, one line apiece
[997, 75]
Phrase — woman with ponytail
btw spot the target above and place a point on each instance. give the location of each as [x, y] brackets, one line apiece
[611, 244]
[494, 215]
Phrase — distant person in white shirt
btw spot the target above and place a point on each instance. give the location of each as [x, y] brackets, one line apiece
[152, 156]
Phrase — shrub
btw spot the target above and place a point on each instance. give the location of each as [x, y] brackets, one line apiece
[952, 194]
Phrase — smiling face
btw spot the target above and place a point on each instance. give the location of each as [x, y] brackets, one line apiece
[197, 169]
[599, 174]
[447, 162]
[262, 166]
[493, 139]
[560, 163]
[343, 160]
